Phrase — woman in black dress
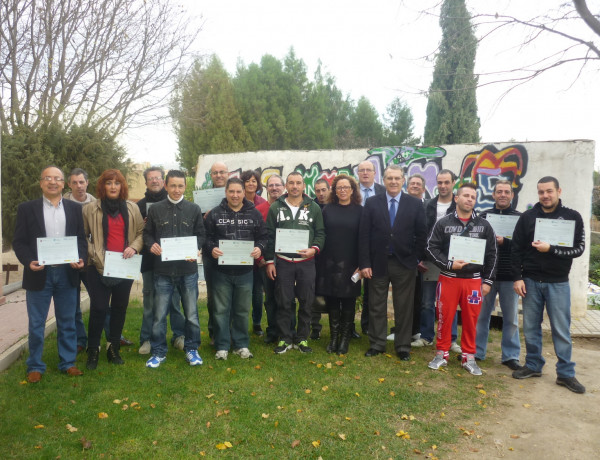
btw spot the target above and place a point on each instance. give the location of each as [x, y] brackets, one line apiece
[339, 260]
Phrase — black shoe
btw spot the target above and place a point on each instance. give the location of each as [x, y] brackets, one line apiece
[92, 359]
[258, 330]
[355, 334]
[269, 339]
[315, 335]
[512, 364]
[525, 373]
[571, 383]
[403, 355]
[303, 347]
[113, 356]
[372, 352]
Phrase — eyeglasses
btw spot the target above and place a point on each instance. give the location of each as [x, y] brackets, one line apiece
[155, 179]
[219, 173]
[274, 185]
[50, 179]
[362, 171]
[343, 188]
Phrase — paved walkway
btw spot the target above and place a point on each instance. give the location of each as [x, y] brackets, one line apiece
[13, 324]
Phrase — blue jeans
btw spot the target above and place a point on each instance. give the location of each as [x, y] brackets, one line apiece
[257, 297]
[177, 318]
[428, 313]
[164, 287]
[64, 294]
[232, 295]
[509, 304]
[557, 297]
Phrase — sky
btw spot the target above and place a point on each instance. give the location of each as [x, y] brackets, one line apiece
[378, 49]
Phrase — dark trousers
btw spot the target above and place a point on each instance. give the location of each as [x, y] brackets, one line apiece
[364, 316]
[294, 280]
[105, 300]
[416, 323]
[403, 290]
[270, 304]
[207, 265]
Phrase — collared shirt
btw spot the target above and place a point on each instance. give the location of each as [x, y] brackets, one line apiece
[389, 199]
[55, 220]
[363, 191]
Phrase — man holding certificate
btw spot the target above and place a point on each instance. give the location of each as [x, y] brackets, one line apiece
[174, 231]
[296, 235]
[50, 217]
[463, 246]
[236, 236]
[542, 254]
[503, 213]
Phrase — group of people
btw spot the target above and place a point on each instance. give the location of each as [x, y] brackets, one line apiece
[353, 231]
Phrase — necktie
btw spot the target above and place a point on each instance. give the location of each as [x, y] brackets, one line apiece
[392, 211]
[367, 194]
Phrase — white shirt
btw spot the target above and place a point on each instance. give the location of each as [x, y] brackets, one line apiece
[55, 220]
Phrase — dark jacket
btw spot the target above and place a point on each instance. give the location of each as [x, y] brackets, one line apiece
[148, 258]
[379, 190]
[223, 223]
[406, 237]
[431, 211]
[167, 220]
[504, 271]
[548, 267]
[438, 245]
[308, 217]
[30, 226]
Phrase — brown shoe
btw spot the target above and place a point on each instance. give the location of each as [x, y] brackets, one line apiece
[34, 377]
[73, 371]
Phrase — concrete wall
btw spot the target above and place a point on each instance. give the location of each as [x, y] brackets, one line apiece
[571, 162]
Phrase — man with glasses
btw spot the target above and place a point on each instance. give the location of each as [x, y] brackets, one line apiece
[155, 192]
[50, 217]
[368, 188]
[219, 173]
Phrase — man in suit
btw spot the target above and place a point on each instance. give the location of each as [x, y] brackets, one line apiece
[389, 251]
[368, 188]
[50, 216]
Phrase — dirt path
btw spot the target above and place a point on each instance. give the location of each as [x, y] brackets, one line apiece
[540, 420]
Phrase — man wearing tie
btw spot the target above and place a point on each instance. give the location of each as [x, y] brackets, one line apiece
[368, 188]
[389, 251]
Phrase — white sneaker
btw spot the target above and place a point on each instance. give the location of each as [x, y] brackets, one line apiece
[438, 361]
[420, 342]
[221, 354]
[145, 349]
[416, 336]
[471, 365]
[179, 342]
[455, 347]
[391, 337]
[243, 353]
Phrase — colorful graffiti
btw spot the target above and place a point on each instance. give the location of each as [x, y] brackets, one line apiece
[486, 167]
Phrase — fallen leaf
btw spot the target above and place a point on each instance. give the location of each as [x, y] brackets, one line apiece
[511, 448]
[357, 394]
[202, 453]
[71, 428]
[270, 379]
[153, 406]
[442, 415]
[37, 427]
[295, 443]
[298, 410]
[257, 367]
[325, 388]
[133, 404]
[221, 446]
[253, 394]
[526, 405]
[116, 401]
[419, 384]
[316, 443]
[348, 418]
[483, 392]
[125, 407]
[207, 424]
[392, 393]
[328, 365]
[102, 415]
[387, 355]
[23, 382]
[210, 396]
[85, 444]
[39, 446]
[480, 385]
[339, 363]
[307, 392]
[381, 380]
[276, 423]
[265, 415]
[357, 377]
[514, 436]
[376, 433]
[228, 444]
[154, 443]
[319, 366]
[342, 436]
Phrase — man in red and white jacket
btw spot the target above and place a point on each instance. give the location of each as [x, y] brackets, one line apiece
[460, 282]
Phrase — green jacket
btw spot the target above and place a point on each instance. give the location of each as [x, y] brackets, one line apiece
[308, 217]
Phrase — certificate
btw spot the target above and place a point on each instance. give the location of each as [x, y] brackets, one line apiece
[117, 267]
[179, 248]
[288, 240]
[471, 250]
[209, 198]
[557, 232]
[56, 251]
[236, 252]
[502, 224]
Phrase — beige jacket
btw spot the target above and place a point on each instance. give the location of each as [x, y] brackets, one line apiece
[92, 224]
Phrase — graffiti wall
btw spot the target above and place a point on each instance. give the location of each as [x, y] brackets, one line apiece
[572, 162]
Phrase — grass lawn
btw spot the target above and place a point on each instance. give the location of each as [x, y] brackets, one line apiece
[273, 406]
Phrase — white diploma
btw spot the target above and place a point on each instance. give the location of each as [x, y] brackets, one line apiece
[117, 267]
[289, 240]
[471, 250]
[209, 198]
[503, 225]
[236, 252]
[179, 248]
[56, 251]
[557, 232]
[432, 273]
